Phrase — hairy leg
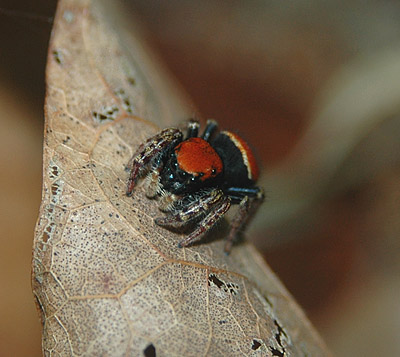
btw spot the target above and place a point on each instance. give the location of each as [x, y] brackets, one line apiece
[217, 212]
[246, 207]
[191, 207]
[148, 151]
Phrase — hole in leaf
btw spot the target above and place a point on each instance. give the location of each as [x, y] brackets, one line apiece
[150, 351]
[256, 345]
[276, 352]
[278, 336]
[227, 287]
[213, 278]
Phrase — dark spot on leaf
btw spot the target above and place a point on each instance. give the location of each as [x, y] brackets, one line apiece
[45, 237]
[150, 351]
[57, 57]
[54, 171]
[99, 116]
[54, 188]
[268, 301]
[131, 81]
[256, 345]
[120, 93]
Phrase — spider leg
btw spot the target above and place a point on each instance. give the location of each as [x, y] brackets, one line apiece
[212, 125]
[193, 128]
[190, 208]
[213, 201]
[148, 151]
[238, 193]
[209, 220]
[167, 201]
[248, 204]
[153, 178]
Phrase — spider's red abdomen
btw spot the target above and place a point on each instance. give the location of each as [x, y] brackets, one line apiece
[197, 157]
[247, 155]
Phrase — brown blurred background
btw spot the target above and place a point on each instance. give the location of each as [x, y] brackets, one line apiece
[313, 85]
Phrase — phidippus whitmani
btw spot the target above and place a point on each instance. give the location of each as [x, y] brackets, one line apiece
[198, 178]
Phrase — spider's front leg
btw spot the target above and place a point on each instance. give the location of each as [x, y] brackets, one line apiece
[212, 201]
[148, 151]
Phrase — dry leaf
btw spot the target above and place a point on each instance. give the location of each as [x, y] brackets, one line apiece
[107, 280]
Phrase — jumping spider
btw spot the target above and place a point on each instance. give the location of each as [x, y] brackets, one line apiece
[198, 178]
